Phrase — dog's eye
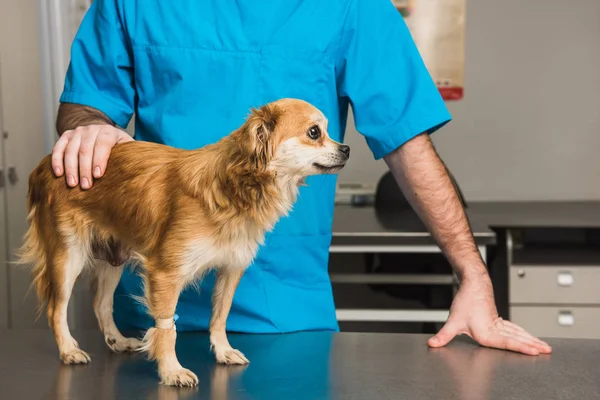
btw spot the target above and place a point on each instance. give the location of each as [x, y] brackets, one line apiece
[314, 132]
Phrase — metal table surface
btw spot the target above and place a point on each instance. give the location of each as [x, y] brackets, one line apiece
[537, 214]
[364, 224]
[312, 365]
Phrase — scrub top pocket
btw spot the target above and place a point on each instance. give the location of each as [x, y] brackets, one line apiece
[295, 73]
[178, 82]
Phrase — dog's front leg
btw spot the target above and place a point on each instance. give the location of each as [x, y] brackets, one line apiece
[225, 286]
[162, 292]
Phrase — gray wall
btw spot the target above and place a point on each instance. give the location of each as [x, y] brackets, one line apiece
[23, 146]
[529, 125]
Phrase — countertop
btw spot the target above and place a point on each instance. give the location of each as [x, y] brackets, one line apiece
[364, 225]
[312, 365]
[537, 214]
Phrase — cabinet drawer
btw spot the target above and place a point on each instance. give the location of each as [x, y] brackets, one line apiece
[558, 322]
[555, 285]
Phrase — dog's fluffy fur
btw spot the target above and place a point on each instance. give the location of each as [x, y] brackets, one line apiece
[179, 213]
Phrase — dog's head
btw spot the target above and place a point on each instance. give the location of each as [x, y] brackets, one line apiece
[289, 136]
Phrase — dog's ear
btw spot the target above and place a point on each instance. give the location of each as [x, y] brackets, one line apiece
[261, 125]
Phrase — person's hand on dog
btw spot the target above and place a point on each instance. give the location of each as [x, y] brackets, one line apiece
[473, 313]
[82, 154]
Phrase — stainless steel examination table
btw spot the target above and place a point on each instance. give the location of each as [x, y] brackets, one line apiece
[313, 365]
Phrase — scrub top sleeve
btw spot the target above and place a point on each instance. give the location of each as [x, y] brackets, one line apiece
[100, 71]
[382, 74]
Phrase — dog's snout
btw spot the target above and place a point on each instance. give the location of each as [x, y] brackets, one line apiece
[345, 150]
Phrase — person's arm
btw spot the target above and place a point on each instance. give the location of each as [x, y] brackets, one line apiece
[425, 183]
[87, 137]
[98, 95]
[71, 116]
[396, 107]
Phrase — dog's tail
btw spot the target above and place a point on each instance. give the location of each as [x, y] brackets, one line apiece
[33, 252]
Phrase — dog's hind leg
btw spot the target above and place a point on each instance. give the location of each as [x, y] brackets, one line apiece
[162, 292]
[66, 264]
[106, 280]
[224, 289]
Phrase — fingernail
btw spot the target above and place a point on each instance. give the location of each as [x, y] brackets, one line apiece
[85, 183]
[57, 171]
[97, 172]
[434, 341]
[72, 181]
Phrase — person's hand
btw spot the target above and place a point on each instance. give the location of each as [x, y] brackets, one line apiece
[82, 154]
[473, 313]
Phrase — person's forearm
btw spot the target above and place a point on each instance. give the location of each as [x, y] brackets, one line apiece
[424, 181]
[71, 116]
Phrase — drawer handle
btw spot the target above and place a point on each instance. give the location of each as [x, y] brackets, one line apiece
[564, 278]
[566, 318]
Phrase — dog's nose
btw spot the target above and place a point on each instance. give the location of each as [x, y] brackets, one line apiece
[345, 149]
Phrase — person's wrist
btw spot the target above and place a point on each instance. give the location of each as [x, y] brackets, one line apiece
[477, 273]
[476, 278]
[469, 268]
[477, 288]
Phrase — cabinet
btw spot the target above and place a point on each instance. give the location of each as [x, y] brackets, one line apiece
[554, 289]
[576, 322]
[564, 284]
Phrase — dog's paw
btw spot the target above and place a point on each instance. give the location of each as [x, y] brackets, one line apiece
[230, 356]
[181, 377]
[75, 356]
[121, 344]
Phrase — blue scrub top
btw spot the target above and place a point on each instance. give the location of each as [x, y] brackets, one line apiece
[190, 70]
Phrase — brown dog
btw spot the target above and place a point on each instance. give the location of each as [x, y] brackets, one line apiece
[179, 213]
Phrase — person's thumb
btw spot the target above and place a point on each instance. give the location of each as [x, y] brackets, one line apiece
[444, 336]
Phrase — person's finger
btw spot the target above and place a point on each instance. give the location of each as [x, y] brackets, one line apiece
[58, 153]
[445, 335]
[86, 152]
[105, 141]
[542, 346]
[524, 334]
[72, 160]
[513, 325]
[509, 342]
[523, 338]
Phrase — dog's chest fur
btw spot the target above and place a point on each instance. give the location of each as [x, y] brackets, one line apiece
[204, 252]
[237, 244]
